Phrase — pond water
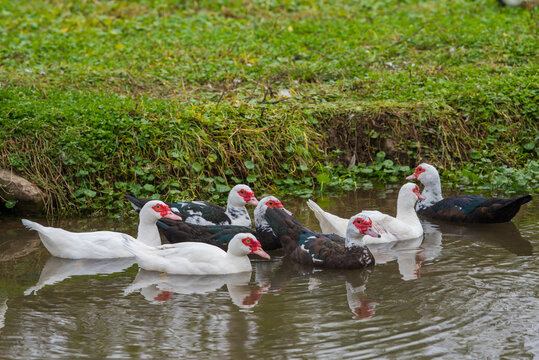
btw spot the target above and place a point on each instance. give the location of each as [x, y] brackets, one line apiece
[464, 291]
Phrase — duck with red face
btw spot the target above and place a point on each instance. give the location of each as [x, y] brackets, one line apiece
[323, 250]
[461, 208]
[195, 258]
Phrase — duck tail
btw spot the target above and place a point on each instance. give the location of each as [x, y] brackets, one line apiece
[32, 225]
[511, 207]
[329, 223]
[315, 208]
[135, 202]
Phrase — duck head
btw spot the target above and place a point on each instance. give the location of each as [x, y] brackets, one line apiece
[240, 195]
[409, 192]
[155, 210]
[260, 210]
[425, 173]
[244, 244]
[358, 226]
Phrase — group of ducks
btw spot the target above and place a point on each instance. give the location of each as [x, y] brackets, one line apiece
[206, 239]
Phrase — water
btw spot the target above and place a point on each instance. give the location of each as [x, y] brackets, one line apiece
[464, 291]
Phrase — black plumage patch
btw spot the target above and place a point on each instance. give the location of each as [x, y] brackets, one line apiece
[309, 248]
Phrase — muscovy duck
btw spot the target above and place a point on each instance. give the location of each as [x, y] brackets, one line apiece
[103, 244]
[220, 235]
[205, 213]
[461, 208]
[324, 250]
[404, 226]
[195, 258]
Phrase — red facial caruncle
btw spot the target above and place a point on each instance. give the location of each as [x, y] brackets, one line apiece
[255, 247]
[246, 195]
[418, 170]
[251, 243]
[416, 191]
[274, 204]
[362, 225]
[163, 209]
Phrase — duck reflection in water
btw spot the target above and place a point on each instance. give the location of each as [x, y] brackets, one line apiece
[57, 269]
[3, 310]
[404, 251]
[504, 235]
[274, 276]
[157, 287]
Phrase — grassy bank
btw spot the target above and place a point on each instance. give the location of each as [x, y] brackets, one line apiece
[154, 97]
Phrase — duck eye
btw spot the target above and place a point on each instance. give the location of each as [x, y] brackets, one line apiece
[242, 192]
[158, 207]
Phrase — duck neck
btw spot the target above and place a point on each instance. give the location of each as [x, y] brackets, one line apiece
[353, 239]
[432, 193]
[148, 232]
[261, 224]
[406, 212]
[238, 214]
[236, 260]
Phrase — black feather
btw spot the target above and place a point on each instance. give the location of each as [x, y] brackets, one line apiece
[309, 248]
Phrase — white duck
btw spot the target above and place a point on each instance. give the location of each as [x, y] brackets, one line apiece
[193, 258]
[103, 244]
[404, 226]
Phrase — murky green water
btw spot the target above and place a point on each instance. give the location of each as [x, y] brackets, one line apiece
[464, 292]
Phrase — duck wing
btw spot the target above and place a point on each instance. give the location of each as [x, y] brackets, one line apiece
[475, 209]
[285, 227]
[201, 213]
[320, 250]
[176, 231]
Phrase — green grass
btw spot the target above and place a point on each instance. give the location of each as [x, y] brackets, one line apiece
[183, 99]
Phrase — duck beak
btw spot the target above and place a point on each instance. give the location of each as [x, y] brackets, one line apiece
[253, 201]
[421, 197]
[170, 215]
[411, 177]
[372, 233]
[258, 251]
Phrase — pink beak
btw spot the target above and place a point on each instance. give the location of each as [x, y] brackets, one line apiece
[421, 197]
[253, 201]
[172, 216]
[372, 233]
[261, 253]
[411, 177]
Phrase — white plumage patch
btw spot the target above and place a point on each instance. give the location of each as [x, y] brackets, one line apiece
[201, 203]
[302, 247]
